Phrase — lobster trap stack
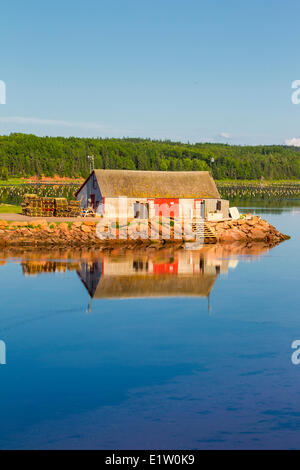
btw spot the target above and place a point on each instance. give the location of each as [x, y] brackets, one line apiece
[31, 268]
[27, 204]
[48, 206]
[61, 207]
[74, 209]
[32, 205]
[35, 206]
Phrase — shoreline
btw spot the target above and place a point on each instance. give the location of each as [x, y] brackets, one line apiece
[82, 233]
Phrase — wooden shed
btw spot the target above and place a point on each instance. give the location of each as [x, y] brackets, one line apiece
[144, 194]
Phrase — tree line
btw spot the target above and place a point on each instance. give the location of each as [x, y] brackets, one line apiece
[25, 155]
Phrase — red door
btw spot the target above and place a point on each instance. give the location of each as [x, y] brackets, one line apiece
[165, 268]
[166, 207]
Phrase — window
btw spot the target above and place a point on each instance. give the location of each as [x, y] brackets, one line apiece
[219, 205]
[140, 266]
[141, 210]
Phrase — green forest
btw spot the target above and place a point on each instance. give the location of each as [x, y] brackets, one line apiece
[25, 155]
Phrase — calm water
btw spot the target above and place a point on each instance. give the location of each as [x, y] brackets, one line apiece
[181, 350]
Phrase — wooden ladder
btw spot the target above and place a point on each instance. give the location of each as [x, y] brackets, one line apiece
[204, 232]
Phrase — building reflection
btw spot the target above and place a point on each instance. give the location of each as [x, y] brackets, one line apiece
[136, 275]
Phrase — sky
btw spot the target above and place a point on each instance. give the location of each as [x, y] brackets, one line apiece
[184, 70]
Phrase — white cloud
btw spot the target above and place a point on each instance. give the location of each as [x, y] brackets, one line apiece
[51, 122]
[225, 135]
[294, 142]
[85, 128]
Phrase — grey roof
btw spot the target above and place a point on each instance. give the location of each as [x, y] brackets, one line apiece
[160, 184]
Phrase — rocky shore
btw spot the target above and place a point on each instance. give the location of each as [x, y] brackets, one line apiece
[41, 233]
[250, 229]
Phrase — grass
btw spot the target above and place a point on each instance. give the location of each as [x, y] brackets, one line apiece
[29, 181]
[10, 209]
[12, 182]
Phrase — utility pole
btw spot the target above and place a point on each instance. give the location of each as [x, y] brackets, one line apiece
[211, 164]
[91, 160]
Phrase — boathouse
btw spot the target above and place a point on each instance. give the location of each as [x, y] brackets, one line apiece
[146, 194]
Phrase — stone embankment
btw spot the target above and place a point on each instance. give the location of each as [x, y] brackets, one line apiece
[246, 229]
[85, 233]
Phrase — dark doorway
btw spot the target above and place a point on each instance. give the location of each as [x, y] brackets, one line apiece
[92, 200]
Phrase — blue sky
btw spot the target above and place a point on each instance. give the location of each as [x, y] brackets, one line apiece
[189, 70]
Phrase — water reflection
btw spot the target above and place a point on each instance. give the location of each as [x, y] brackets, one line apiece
[145, 273]
[33, 268]
[169, 376]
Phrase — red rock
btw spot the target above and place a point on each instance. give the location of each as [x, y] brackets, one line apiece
[85, 229]
[238, 235]
[251, 223]
[225, 237]
[257, 234]
[37, 222]
[64, 227]
[89, 223]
